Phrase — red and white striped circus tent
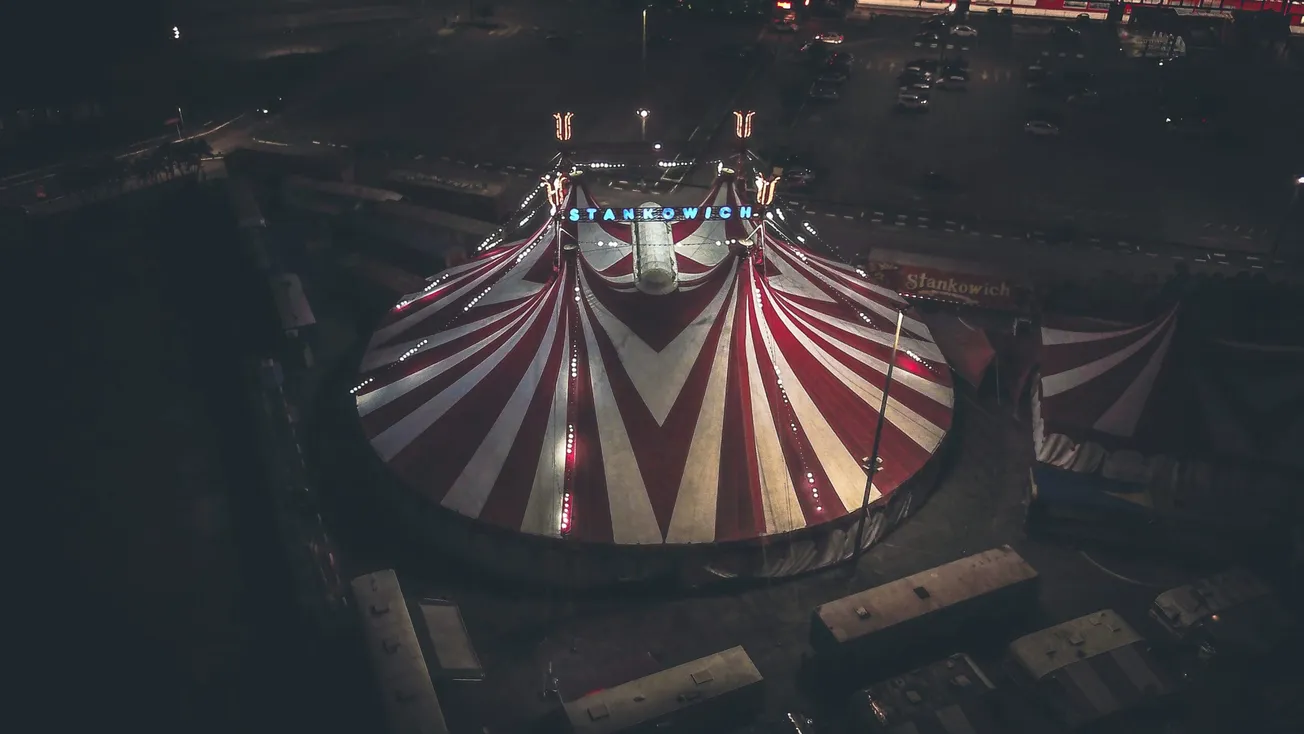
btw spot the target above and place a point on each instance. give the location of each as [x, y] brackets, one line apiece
[656, 383]
[1106, 387]
[1251, 399]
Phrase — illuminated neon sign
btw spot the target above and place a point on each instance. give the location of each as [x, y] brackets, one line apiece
[659, 213]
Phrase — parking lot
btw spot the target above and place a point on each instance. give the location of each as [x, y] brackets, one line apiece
[489, 94]
[1114, 169]
[486, 96]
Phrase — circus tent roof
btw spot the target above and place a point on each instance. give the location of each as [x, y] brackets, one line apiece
[1111, 383]
[538, 389]
[1251, 399]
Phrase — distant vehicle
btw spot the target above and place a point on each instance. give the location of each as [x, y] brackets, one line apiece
[841, 58]
[1083, 97]
[936, 23]
[929, 65]
[912, 100]
[927, 699]
[787, 24]
[1041, 128]
[995, 584]
[830, 38]
[1083, 18]
[834, 75]
[799, 177]
[717, 692]
[1072, 668]
[1234, 615]
[271, 106]
[824, 92]
[1007, 11]
[927, 39]
[953, 79]
[964, 31]
[911, 78]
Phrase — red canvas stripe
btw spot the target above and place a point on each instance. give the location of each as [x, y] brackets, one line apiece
[661, 451]
[591, 514]
[797, 451]
[511, 493]
[383, 417]
[926, 407]
[673, 314]
[739, 510]
[851, 419]
[435, 458]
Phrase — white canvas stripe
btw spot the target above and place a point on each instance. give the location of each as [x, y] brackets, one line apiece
[926, 350]
[394, 439]
[543, 510]
[632, 518]
[660, 376]
[920, 430]
[839, 465]
[378, 358]
[471, 489]
[1053, 337]
[1123, 415]
[779, 500]
[1055, 384]
[694, 516]
[914, 325]
[427, 310]
[380, 397]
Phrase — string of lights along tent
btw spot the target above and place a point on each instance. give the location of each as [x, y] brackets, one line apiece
[663, 378]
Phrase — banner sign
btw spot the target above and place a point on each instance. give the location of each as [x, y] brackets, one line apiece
[983, 291]
[660, 213]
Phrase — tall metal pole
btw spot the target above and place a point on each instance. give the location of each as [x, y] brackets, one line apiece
[644, 44]
[872, 468]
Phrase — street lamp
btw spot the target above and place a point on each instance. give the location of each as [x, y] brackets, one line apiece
[176, 33]
[874, 462]
[645, 43]
[642, 123]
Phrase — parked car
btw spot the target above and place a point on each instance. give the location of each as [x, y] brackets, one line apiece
[840, 58]
[964, 31]
[830, 38]
[915, 80]
[912, 101]
[953, 79]
[799, 177]
[1083, 97]
[824, 92]
[927, 39]
[834, 75]
[1041, 128]
[787, 24]
[929, 65]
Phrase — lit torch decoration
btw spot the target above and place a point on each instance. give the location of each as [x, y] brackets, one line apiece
[557, 188]
[743, 124]
[764, 198]
[765, 190]
[563, 121]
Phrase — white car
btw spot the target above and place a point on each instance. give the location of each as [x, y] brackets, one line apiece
[964, 31]
[831, 38]
[1041, 128]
